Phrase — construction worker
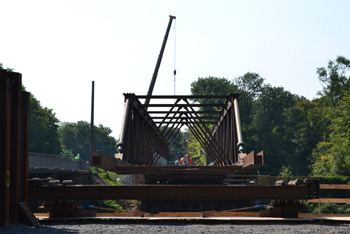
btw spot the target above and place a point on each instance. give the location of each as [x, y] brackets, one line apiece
[190, 160]
[77, 158]
[177, 163]
[186, 160]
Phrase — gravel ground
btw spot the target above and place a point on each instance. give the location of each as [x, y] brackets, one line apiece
[112, 227]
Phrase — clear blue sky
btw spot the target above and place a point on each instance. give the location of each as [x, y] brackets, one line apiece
[61, 46]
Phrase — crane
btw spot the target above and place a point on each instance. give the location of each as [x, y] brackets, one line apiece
[155, 73]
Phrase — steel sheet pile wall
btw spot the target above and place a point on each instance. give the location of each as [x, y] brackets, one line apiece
[14, 146]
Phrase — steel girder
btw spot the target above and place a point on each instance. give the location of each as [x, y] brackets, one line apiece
[171, 192]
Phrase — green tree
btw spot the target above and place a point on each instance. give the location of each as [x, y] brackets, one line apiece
[76, 137]
[43, 125]
[272, 128]
[331, 157]
[334, 79]
[308, 126]
[250, 86]
[177, 147]
[43, 135]
[195, 149]
[6, 69]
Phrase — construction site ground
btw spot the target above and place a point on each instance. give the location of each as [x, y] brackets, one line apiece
[198, 217]
[183, 226]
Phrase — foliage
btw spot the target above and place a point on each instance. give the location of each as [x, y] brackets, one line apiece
[111, 178]
[177, 148]
[43, 135]
[334, 79]
[6, 69]
[328, 208]
[66, 152]
[195, 150]
[285, 172]
[331, 157]
[250, 86]
[272, 128]
[108, 176]
[212, 86]
[43, 125]
[76, 136]
[110, 204]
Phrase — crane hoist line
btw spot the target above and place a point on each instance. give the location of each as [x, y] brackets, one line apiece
[156, 69]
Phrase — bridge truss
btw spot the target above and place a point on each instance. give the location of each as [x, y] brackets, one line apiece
[148, 130]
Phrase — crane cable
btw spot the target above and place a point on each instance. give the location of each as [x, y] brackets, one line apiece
[174, 57]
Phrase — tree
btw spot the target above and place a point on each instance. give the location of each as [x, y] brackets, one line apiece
[6, 69]
[43, 135]
[177, 146]
[43, 125]
[271, 128]
[309, 125]
[212, 86]
[334, 79]
[76, 137]
[331, 157]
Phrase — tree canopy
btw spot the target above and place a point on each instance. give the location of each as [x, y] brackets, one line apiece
[76, 137]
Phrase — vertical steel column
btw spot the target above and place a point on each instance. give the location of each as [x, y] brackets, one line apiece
[24, 157]
[15, 144]
[5, 108]
[24, 146]
[92, 122]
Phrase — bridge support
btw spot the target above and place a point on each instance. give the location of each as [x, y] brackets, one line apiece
[14, 147]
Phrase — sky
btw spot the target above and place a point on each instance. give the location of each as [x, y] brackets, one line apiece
[60, 47]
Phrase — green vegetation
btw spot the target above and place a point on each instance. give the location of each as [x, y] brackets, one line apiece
[76, 136]
[298, 136]
[110, 178]
[107, 176]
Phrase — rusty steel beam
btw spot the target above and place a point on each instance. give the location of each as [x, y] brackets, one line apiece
[191, 170]
[24, 160]
[173, 192]
[5, 123]
[15, 148]
[191, 97]
[183, 112]
[185, 105]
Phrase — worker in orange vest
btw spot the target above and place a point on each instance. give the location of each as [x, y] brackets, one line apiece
[187, 160]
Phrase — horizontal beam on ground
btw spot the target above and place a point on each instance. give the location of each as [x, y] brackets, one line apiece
[171, 192]
[219, 170]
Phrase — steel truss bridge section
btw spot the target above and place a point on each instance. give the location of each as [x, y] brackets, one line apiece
[148, 129]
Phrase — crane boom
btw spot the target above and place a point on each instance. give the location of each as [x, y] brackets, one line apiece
[155, 73]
